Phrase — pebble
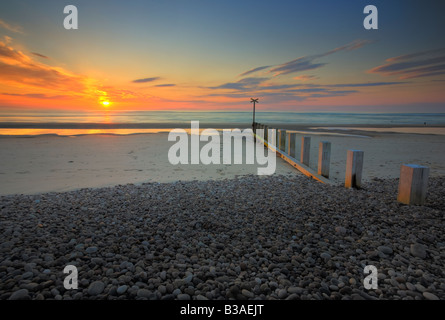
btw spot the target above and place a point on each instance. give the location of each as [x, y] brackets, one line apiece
[325, 256]
[282, 294]
[144, 293]
[247, 293]
[220, 240]
[295, 290]
[418, 250]
[91, 250]
[430, 296]
[122, 289]
[96, 288]
[340, 229]
[22, 294]
[385, 249]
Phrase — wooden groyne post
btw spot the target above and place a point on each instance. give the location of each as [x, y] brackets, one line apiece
[413, 184]
[291, 144]
[354, 168]
[324, 158]
[305, 150]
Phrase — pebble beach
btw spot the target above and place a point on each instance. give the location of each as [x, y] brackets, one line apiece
[275, 237]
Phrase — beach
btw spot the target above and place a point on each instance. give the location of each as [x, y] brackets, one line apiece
[275, 237]
[139, 228]
[48, 163]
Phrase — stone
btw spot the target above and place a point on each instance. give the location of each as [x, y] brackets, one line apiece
[27, 275]
[143, 293]
[385, 249]
[96, 288]
[90, 250]
[22, 294]
[418, 250]
[430, 296]
[296, 290]
[247, 293]
[326, 256]
[340, 229]
[282, 293]
[183, 296]
[121, 289]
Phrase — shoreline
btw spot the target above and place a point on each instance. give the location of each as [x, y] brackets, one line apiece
[71, 129]
[38, 164]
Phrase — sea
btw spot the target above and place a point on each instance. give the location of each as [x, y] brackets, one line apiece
[134, 122]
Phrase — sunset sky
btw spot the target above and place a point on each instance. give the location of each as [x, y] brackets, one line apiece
[216, 55]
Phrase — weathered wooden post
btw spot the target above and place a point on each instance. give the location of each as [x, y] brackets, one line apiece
[272, 137]
[324, 158]
[291, 148]
[305, 150]
[278, 139]
[266, 133]
[354, 168]
[413, 184]
[286, 144]
[260, 130]
[282, 145]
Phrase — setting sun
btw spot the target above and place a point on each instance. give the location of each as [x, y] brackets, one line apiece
[105, 103]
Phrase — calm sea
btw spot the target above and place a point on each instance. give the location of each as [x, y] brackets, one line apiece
[68, 123]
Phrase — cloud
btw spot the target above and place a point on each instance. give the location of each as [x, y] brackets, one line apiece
[414, 65]
[297, 65]
[308, 62]
[304, 77]
[40, 55]
[34, 79]
[249, 83]
[144, 80]
[16, 67]
[7, 39]
[165, 85]
[35, 95]
[366, 84]
[10, 27]
[253, 71]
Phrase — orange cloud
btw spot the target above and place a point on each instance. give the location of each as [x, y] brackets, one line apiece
[305, 77]
[28, 80]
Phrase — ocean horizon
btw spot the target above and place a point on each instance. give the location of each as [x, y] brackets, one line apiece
[133, 122]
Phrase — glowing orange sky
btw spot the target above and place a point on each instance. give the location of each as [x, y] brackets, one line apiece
[145, 64]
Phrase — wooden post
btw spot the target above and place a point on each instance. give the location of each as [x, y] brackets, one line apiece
[266, 133]
[286, 139]
[278, 139]
[272, 137]
[283, 140]
[324, 158]
[260, 130]
[413, 184]
[282, 145]
[291, 148]
[354, 168]
[305, 150]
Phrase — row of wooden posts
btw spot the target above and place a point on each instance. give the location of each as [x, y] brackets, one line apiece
[413, 178]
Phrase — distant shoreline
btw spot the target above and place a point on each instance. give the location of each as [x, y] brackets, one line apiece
[78, 129]
[216, 125]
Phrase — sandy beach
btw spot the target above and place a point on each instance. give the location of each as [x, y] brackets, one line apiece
[51, 163]
[138, 228]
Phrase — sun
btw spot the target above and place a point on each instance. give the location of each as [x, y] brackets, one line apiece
[105, 103]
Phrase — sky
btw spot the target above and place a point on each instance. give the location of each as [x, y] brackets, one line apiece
[216, 55]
